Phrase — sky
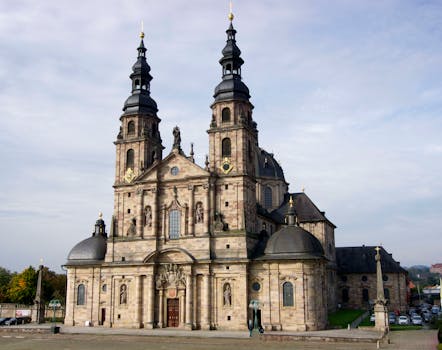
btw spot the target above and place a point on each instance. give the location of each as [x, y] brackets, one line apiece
[347, 95]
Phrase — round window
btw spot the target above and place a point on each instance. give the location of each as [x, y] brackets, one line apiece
[174, 171]
[385, 278]
[256, 286]
[364, 278]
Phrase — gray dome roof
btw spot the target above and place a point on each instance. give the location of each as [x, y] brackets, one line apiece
[267, 166]
[140, 103]
[293, 242]
[90, 250]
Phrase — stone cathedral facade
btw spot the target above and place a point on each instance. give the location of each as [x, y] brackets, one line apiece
[192, 246]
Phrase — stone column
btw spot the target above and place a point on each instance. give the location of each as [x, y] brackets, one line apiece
[150, 301]
[155, 215]
[194, 300]
[191, 229]
[189, 303]
[212, 204]
[161, 309]
[182, 308]
[274, 306]
[140, 221]
[207, 210]
[138, 301]
[206, 307]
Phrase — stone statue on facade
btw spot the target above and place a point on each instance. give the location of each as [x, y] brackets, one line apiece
[227, 295]
[123, 294]
[132, 230]
[176, 138]
[148, 216]
[199, 213]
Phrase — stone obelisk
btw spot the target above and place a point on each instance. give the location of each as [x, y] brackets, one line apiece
[38, 301]
[380, 307]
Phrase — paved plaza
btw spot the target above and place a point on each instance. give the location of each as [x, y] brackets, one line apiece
[422, 339]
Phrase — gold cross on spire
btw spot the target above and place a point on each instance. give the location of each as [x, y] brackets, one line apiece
[231, 16]
[291, 202]
[142, 30]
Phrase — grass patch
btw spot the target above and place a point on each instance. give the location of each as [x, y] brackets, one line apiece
[403, 327]
[341, 318]
[366, 322]
[439, 347]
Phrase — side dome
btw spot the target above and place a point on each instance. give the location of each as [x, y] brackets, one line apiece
[293, 242]
[91, 250]
[267, 166]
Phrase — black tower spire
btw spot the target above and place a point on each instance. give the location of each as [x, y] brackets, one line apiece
[231, 87]
[140, 100]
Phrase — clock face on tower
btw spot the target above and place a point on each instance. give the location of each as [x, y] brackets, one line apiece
[226, 166]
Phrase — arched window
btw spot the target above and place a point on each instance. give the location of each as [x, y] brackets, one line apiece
[131, 128]
[226, 152]
[268, 200]
[387, 293]
[345, 297]
[365, 296]
[137, 84]
[130, 155]
[225, 115]
[123, 294]
[287, 294]
[81, 295]
[174, 224]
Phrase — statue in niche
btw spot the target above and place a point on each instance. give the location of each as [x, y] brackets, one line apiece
[199, 213]
[227, 295]
[132, 230]
[148, 216]
[123, 294]
[176, 138]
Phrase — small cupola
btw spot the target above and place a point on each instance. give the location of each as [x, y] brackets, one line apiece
[100, 226]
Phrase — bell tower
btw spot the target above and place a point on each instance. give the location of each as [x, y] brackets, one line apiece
[139, 141]
[233, 140]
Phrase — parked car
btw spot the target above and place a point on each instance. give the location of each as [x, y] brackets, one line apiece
[11, 321]
[426, 316]
[3, 320]
[435, 309]
[23, 320]
[403, 320]
[372, 318]
[391, 318]
[416, 320]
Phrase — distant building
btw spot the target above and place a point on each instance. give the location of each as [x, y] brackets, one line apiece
[436, 268]
[356, 286]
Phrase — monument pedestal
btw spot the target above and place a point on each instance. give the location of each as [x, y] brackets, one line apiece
[381, 318]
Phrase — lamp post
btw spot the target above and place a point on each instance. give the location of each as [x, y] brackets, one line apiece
[54, 304]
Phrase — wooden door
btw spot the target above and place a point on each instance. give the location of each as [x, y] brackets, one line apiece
[173, 312]
[103, 316]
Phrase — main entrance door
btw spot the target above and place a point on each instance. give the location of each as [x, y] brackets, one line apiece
[173, 312]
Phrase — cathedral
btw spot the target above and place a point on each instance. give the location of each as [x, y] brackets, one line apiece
[202, 246]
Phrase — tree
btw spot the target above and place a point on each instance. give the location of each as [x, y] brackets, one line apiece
[23, 286]
[54, 286]
[5, 279]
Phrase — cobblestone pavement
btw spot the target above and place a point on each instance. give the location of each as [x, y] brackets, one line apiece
[404, 340]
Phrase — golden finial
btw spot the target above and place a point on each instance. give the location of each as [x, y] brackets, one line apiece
[377, 249]
[291, 202]
[142, 30]
[303, 189]
[100, 215]
[230, 11]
